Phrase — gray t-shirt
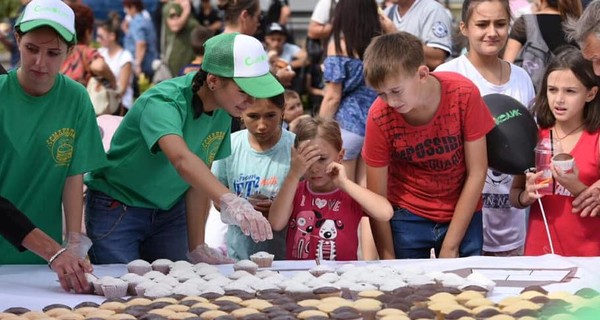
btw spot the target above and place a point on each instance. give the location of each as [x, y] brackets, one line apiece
[426, 19]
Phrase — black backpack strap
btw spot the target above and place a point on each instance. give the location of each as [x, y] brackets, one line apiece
[534, 35]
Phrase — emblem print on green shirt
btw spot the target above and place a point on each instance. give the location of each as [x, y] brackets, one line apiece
[60, 144]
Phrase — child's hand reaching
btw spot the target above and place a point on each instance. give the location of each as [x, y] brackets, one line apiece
[303, 157]
[261, 203]
[337, 172]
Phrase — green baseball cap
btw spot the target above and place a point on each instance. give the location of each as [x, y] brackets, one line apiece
[242, 58]
[52, 13]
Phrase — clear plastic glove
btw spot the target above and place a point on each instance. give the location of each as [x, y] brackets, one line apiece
[204, 253]
[238, 211]
[71, 270]
[78, 244]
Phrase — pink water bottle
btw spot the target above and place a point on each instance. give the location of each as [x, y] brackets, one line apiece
[543, 158]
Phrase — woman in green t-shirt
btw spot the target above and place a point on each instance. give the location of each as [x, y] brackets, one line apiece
[49, 138]
[151, 202]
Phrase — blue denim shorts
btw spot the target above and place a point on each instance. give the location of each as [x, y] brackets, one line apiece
[121, 234]
[414, 236]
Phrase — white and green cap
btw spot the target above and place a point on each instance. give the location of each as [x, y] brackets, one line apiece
[52, 13]
[242, 58]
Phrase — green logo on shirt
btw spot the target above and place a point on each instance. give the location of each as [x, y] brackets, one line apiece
[60, 144]
[211, 145]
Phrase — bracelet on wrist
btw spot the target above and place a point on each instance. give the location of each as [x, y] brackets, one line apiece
[519, 199]
[55, 256]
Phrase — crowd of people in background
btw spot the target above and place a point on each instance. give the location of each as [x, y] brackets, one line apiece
[366, 140]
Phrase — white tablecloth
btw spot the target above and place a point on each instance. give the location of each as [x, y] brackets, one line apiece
[35, 287]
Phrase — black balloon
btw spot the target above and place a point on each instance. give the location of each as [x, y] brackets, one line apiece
[510, 144]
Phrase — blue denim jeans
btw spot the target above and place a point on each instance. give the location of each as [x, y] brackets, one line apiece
[414, 236]
[120, 233]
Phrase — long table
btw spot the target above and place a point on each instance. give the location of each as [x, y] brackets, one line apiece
[35, 286]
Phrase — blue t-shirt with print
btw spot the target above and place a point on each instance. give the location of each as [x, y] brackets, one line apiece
[247, 172]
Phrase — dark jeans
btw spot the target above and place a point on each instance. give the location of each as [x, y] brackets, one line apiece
[414, 236]
[120, 233]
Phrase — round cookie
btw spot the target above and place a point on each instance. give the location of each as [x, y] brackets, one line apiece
[245, 265]
[306, 314]
[212, 314]
[242, 312]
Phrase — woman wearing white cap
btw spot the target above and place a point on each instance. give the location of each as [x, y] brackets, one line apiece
[49, 138]
[150, 202]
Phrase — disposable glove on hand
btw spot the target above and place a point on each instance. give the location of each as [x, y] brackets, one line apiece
[78, 244]
[239, 212]
[204, 253]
